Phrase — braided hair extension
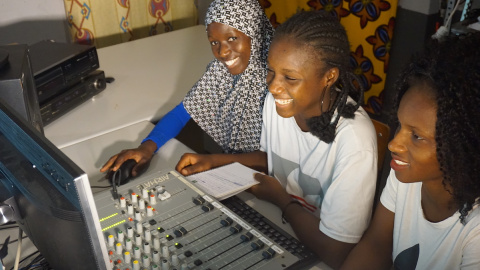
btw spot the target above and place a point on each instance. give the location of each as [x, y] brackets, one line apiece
[451, 68]
[324, 33]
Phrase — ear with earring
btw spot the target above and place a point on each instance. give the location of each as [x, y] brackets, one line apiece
[320, 126]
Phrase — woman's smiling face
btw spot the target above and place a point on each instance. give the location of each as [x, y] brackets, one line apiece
[229, 46]
[294, 78]
[414, 154]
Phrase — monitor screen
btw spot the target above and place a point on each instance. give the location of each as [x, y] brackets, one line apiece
[50, 195]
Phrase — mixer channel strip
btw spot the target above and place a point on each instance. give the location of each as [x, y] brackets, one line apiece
[267, 227]
[162, 221]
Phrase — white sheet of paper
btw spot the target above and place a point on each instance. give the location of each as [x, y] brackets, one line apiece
[225, 181]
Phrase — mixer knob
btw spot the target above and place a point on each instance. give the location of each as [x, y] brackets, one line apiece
[156, 243]
[136, 265]
[236, 229]
[165, 264]
[269, 253]
[139, 227]
[136, 253]
[155, 256]
[198, 262]
[120, 236]
[146, 261]
[161, 197]
[153, 199]
[141, 204]
[123, 202]
[118, 248]
[226, 222]
[177, 233]
[128, 244]
[146, 247]
[246, 237]
[144, 193]
[175, 260]
[208, 207]
[149, 211]
[127, 257]
[130, 209]
[197, 200]
[257, 245]
[111, 240]
[138, 215]
[166, 195]
[134, 197]
[148, 235]
[165, 252]
[138, 239]
[129, 232]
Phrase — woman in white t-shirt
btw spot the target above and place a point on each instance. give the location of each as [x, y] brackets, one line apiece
[429, 216]
[318, 145]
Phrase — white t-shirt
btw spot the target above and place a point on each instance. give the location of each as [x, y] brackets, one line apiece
[421, 244]
[335, 181]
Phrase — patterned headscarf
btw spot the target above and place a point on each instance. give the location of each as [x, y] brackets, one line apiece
[228, 107]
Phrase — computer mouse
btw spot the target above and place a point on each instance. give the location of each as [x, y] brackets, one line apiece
[124, 173]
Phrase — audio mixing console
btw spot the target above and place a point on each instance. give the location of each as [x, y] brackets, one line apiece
[162, 221]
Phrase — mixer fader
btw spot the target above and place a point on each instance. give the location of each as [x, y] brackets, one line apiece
[162, 221]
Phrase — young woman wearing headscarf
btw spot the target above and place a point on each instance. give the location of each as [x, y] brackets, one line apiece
[227, 100]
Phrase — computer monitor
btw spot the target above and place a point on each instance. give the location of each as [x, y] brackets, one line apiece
[50, 195]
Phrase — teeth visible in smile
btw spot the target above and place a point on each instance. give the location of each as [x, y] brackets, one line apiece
[400, 162]
[283, 101]
[231, 62]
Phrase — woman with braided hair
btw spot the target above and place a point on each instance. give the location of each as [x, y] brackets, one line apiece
[228, 99]
[429, 215]
[318, 146]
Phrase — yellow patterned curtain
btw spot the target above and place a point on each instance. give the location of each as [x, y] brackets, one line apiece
[369, 25]
[107, 22]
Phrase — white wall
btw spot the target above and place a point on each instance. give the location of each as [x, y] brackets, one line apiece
[29, 21]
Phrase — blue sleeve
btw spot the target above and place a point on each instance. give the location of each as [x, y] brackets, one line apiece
[169, 126]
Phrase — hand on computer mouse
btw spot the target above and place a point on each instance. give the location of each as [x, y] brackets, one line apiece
[123, 174]
[143, 155]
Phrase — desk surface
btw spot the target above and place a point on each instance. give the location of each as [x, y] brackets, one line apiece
[152, 75]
